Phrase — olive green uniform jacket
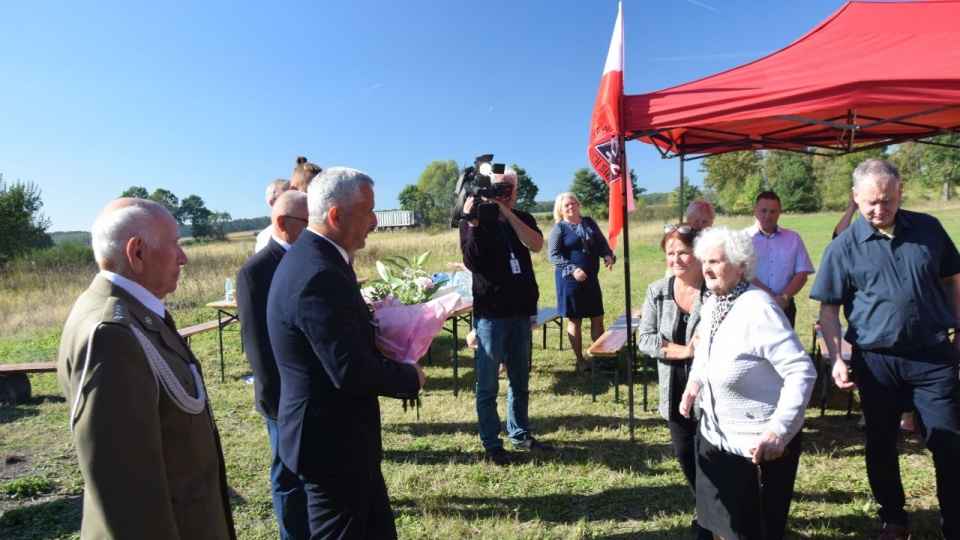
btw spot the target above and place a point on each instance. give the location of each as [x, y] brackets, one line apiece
[150, 469]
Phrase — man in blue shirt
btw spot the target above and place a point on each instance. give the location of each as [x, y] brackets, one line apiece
[897, 275]
[783, 263]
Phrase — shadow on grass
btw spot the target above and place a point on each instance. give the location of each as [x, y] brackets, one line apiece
[48, 519]
[617, 505]
[28, 408]
[923, 524]
[614, 453]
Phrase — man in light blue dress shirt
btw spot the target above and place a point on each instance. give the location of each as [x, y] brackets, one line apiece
[783, 263]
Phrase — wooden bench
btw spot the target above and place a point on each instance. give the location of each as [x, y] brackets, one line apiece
[613, 344]
[217, 324]
[544, 316]
[819, 347]
[14, 384]
[190, 331]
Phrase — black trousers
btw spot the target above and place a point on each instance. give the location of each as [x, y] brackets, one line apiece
[930, 377]
[351, 506]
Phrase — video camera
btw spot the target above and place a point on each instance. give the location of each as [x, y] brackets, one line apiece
[475, 183]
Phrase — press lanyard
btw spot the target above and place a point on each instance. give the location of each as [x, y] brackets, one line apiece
[514, 263]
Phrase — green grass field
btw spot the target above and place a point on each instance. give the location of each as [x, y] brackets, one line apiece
[599, 485]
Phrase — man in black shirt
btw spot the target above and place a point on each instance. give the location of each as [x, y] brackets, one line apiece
[505, 296]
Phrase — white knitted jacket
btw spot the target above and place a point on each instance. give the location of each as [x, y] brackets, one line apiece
[754, 374]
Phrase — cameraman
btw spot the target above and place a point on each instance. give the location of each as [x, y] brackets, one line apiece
[505, 296]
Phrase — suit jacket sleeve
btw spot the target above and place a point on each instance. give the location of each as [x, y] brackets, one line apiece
[336, 322]
[118, 437]
[253, 284]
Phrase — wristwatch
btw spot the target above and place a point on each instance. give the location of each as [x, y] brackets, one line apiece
[785, 296]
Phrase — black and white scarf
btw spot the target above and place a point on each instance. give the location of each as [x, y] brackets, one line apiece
[724, 304]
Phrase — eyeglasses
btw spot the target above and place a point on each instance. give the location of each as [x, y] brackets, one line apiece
[682, 229]
[297, 218]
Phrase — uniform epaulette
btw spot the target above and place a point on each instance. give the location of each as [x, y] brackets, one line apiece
[115, 311]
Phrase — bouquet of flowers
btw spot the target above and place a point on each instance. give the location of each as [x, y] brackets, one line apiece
[412, 285]
[409, 309]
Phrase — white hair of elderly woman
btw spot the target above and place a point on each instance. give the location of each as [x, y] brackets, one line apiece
[736, 246]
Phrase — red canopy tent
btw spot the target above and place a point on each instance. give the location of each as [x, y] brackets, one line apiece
[876, 73]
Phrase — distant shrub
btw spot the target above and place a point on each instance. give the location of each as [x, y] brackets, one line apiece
[68, 255]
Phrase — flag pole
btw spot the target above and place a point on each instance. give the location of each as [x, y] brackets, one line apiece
[631, 339]
[626, 182]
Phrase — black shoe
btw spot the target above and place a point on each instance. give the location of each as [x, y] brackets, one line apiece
[533, 445]
[497, 455]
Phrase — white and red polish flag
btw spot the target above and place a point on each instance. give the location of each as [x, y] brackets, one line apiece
[606, 135]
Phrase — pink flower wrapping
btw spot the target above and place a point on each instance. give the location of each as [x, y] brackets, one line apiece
[404, 333]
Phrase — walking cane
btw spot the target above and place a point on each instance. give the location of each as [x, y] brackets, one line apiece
[763, 516]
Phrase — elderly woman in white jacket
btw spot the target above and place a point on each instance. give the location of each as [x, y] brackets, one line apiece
[754, 380]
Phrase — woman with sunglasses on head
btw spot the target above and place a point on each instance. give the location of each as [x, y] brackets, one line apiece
[668, 332]
[575, 247]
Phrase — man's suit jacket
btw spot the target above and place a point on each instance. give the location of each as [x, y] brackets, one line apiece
[253, 285]
[329, 418]
[150, 469]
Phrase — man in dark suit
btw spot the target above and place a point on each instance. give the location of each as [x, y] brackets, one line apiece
[323, 341]
[288, 219]
[148, 449]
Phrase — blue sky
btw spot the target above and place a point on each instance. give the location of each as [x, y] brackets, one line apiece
[218, 98]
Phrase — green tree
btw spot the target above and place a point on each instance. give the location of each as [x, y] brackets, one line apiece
[22, 227]
[526, 190]
[218, 223]
[438, 182]
[735, 176]
[943, 163]
[690, 193]
[594, 194]
[774, 161]
[411, 198]
[834, 176]
[169, 201]
[790, 175]
[194, 212]
[910, 158]
[135, 191]
[797, 187]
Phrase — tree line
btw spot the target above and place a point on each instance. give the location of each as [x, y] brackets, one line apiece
[813, 183]
[434, 193]
[190, 211]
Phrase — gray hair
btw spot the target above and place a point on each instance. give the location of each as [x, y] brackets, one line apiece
[700, 206]
[736, 245]
[875, 169]
[277, 188]
[508, 172]
[336, 186]
[112, 231]
[288, 202]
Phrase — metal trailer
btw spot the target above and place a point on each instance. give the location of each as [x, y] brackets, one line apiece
[397, 219]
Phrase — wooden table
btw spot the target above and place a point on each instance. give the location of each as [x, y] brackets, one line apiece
[464, 313]
[226, 314]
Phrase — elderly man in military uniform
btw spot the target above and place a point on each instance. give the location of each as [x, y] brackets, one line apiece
[148, 448]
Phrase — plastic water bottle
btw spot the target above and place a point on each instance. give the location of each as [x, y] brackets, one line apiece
[228, 290]
[465, 285]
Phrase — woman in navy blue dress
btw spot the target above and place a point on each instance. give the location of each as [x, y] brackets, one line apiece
[576, 247]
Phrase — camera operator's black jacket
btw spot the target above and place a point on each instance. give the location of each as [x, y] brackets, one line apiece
[497, 291]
